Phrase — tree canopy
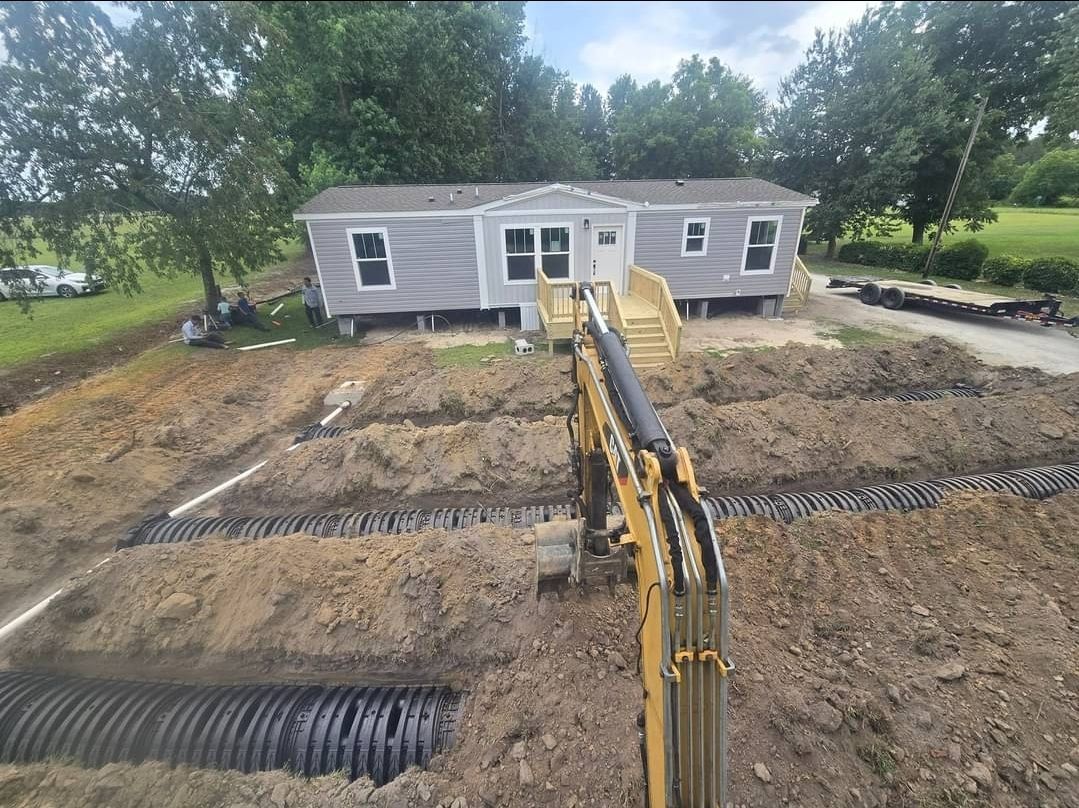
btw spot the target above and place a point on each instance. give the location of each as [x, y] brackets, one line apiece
[140, 146]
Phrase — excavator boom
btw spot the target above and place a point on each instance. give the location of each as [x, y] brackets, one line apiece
[660, 532]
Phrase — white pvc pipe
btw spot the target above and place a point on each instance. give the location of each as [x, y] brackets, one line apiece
[14, 625]
[217, 489]
[279, 307]
[324, 422]
[265, 345]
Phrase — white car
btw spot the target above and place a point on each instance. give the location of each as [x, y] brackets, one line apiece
[41, 280]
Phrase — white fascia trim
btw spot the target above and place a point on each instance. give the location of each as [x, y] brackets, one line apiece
[481, 209]
[558, 188]
[318, 271]
[631, 239]
[775, 245]
[349, 233]
[537, 256]
[685, 236]
[481, 259]
[556, 212]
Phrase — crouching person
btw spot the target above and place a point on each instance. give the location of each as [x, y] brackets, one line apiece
[195, 336]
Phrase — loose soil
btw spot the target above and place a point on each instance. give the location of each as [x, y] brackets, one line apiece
[537, 386]
[789, 442]
[923, 659]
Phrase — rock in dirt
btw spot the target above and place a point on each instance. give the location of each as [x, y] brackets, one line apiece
[980, 774]
[762, 772]
[950, 671]
[825, 717]
[177, 606]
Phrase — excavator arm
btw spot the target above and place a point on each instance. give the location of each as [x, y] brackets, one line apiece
[659, 531]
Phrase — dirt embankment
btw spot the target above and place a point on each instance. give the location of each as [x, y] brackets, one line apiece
[502, 462]
[789, 442]
[80, 466]
[416, 389]
[424, 607]
[923, 659]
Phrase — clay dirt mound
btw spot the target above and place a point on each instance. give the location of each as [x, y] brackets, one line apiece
[417, 389]
[789, 442]
[824, 373]
[504, 462]
[422, 607]
[155, 785]
[792, 442]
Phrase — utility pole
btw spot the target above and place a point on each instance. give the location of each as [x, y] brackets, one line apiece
[955, 188]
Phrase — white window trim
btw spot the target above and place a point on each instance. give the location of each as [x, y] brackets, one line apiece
[775, 245]
[685, 237]
[538, 255]
[352, 231]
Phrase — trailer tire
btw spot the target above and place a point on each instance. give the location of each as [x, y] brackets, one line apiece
[870, 294]
[952, 286]
[893, 298]
[929, 282]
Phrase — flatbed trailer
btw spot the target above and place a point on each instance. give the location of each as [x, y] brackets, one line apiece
[895, 294]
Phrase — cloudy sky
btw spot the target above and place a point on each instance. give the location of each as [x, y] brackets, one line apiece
[598, 41]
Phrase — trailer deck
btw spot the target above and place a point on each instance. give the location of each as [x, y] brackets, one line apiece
[895, 294]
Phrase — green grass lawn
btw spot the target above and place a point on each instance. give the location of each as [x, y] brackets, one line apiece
[59, 326]
[1025, 232]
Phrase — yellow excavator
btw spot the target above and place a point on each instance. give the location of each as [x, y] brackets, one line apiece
[656, 528]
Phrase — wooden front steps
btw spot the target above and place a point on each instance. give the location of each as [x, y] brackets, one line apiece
[648, 346]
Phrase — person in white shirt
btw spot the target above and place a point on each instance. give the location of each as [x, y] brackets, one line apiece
[194, 336]
[312, 303]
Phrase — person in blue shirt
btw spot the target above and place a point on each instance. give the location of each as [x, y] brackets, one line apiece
[246, 314]
[312, 303]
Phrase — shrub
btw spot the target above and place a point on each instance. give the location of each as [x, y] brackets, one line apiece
[962, 260]
[1052, 275]
[909, 257]
[1006, 270]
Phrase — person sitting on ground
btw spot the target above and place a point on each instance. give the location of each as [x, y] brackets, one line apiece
[224, 312]
[312, 304]
[194, 335]
[246, 313]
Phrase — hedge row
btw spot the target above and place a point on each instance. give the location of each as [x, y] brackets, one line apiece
[968, 260]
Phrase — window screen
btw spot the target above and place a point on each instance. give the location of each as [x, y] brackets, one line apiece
[520, 254]
[372, 262]
[761, 244]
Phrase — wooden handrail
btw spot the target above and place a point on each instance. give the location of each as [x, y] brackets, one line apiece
[801, 282]
[653, 289]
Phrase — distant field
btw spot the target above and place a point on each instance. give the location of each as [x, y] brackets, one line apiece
[1026, 232]
[58, 326]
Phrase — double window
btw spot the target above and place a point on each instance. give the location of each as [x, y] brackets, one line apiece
[371, 258]
[762, 235]
[695, 236]
[526, 248]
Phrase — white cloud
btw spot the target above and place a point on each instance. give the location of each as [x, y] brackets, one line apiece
[650, 46]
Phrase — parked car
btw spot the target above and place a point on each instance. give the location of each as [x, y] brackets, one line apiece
[41, 280]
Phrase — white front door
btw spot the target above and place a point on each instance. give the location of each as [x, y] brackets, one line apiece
[608, 251]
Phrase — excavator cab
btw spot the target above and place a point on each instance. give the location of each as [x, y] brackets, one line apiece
[640, 515]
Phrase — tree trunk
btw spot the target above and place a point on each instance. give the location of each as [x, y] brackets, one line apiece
[830, 252]
[210, 289]
[919, 233]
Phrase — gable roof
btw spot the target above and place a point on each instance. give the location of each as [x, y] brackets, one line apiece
[408, 198]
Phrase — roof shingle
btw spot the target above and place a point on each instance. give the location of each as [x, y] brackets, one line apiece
[408, 198]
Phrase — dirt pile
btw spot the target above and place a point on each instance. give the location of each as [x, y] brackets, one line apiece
[926, 659]
[80, 466]
[504, 462]
[425, 607]
[417, 389]
[792, 442]
[155, 784]
[822, 373]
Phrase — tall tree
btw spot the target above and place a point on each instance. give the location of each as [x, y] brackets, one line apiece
[140, 143]
[1063, 101]
[704, 124]
[593, 122]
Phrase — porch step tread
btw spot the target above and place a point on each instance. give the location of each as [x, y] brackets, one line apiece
[651, 344]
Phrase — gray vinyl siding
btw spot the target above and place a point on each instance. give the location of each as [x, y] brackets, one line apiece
[558, 200]
[434, 265]
[659, 249]
[499, 293]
